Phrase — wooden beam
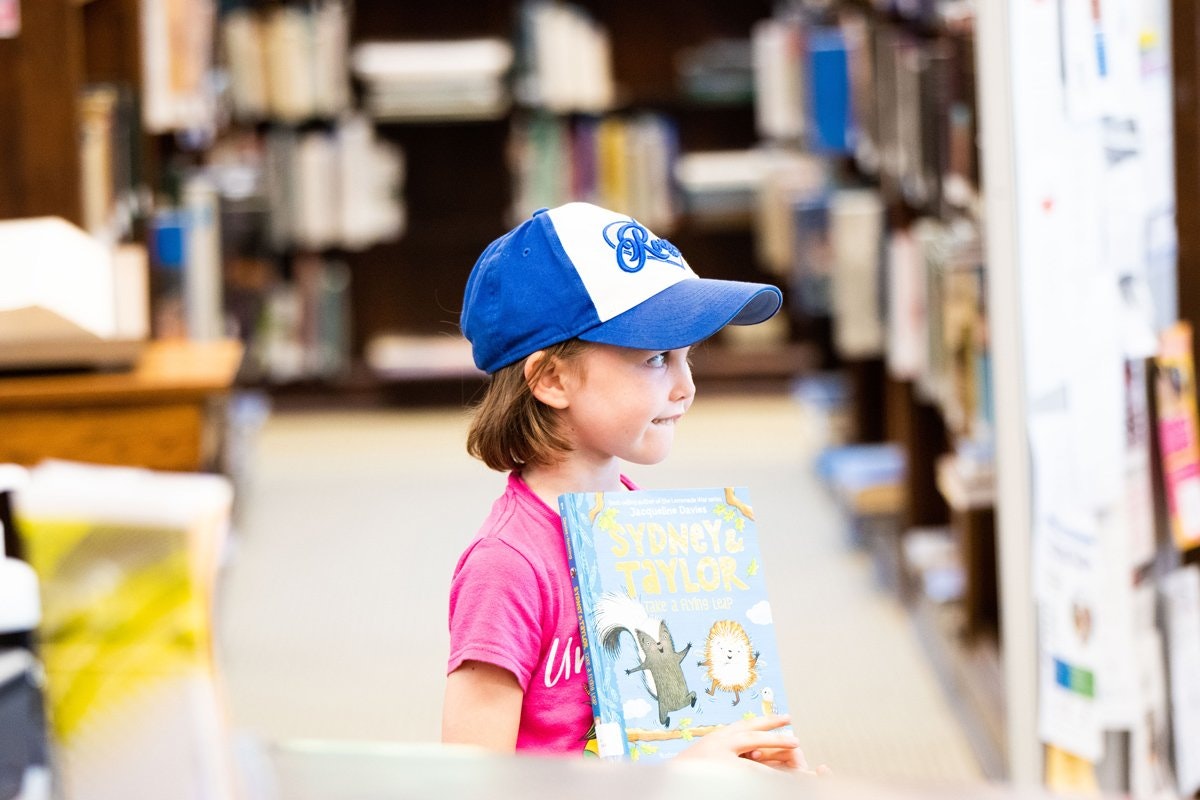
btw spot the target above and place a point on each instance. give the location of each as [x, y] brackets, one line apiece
[1185, 59]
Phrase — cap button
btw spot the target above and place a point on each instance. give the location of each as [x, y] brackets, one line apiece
[541, 210]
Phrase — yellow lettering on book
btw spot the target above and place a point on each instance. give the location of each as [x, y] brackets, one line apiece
[656, 538]
[708, 573]
[733, 542]
[729, 574]
[620, 543]
[647, 576]
[713, 527]
[637, 533]
[678, 539]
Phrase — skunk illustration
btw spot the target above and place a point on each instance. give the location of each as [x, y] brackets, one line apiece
[659, 663]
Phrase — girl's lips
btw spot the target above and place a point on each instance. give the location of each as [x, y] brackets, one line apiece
[667, 420]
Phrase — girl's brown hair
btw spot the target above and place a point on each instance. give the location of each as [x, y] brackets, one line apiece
[510, 427]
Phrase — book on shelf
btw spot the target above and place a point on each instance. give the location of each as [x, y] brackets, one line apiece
[813, 259]
[856, 222]
[861, 67]
[177, 61]
[794, 175]
[831, 128]
[674, 613]
[108, 159]
[779, 78]
[906, 312]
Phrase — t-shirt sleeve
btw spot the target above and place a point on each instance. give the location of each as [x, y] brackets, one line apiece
[495, 611]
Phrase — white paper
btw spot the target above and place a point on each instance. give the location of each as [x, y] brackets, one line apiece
[57, 277]
[1068, 712]
[1181, 595]
[1150, 752]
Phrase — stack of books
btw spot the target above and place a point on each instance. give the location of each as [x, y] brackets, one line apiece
[429, 80]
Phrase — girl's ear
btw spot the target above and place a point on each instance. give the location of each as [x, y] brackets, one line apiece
[544, 376]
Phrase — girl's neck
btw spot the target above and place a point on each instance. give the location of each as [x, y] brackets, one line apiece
[549, 481]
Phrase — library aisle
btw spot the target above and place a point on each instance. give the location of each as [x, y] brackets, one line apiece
[333, 606]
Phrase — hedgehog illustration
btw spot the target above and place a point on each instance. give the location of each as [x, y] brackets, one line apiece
[730, 658]
[658, 661]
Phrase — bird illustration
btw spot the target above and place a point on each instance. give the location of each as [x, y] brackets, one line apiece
[768, 700]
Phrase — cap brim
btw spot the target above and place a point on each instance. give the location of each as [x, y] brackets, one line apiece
[688, 312]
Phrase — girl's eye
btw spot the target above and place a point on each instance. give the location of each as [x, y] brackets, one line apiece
[657, 360]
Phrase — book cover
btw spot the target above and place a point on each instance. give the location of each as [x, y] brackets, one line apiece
[813, 260]
[674, 616]
[831, 130]
[1178, 432]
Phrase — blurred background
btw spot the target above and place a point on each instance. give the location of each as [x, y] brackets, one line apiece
[234, 236]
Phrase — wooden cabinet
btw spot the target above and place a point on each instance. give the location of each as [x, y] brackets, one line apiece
[162, 414]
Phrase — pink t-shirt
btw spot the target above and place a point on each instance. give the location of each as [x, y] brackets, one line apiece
[511, 605]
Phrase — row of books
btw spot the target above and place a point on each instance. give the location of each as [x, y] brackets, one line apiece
[902, 106]
[946, 353]
[614, 161]
[331, 187]
[914, 296]
[563, 59]
[452, 79]
[286, 62]
[300, 328]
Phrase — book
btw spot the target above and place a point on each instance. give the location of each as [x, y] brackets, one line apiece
[831, 124]
[674, 616]
[1177, 433]
[856, 224]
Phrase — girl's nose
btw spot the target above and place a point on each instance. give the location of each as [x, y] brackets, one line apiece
[685, 387]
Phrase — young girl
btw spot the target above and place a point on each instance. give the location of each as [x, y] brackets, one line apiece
[583, 318]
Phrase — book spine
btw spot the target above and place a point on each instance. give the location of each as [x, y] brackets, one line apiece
[607, 714]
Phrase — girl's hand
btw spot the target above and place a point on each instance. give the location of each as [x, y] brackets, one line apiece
[755, 741]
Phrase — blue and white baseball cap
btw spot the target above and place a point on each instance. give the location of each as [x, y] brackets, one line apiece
[581, 271]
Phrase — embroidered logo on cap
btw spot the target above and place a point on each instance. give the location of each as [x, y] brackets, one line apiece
[633, 245]
[595, 240]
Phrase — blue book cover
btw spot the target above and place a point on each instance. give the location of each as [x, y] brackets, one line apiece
[832, 130]
[676, 624]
